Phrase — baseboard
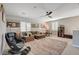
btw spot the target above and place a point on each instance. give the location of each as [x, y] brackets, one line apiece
[77, 46]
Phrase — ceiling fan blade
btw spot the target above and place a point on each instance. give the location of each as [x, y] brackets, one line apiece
[43, 16]
[50, 16]
[49, 13]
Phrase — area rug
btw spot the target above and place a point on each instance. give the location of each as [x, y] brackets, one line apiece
[46, 47]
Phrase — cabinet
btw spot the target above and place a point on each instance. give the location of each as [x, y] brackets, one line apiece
[61, 31]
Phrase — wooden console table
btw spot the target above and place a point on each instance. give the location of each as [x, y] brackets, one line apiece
[68, 36]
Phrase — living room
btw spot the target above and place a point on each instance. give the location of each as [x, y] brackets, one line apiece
[48, 29]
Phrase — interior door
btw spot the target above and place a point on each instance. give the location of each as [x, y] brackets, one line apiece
[2, 30]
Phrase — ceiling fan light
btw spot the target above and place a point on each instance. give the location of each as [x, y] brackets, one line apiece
[50, 16]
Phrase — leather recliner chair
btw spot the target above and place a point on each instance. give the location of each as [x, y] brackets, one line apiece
[16, 45]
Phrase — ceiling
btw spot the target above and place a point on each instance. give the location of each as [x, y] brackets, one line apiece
[35, 12]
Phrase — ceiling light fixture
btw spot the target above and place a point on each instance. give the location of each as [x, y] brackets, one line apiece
[23, 13]
[34, 7]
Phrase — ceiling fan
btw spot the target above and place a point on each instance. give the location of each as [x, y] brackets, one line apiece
[47, 14]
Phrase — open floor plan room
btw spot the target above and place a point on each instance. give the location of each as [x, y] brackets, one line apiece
[39, 29]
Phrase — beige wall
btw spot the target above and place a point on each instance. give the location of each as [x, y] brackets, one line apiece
[71, 23]
[18, 28]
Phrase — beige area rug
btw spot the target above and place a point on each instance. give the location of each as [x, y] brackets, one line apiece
[46, 47]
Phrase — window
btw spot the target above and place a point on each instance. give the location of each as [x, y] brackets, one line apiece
[55, 26]
[25, 26]
[28, 26]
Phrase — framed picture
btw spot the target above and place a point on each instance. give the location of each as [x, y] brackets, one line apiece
[35, 25]
[13, 24]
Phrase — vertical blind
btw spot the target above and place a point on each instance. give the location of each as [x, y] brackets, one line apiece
[55, 26]
[25, 26]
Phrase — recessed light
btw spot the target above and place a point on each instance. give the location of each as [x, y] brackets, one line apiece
[23, 13]
[35, 7]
